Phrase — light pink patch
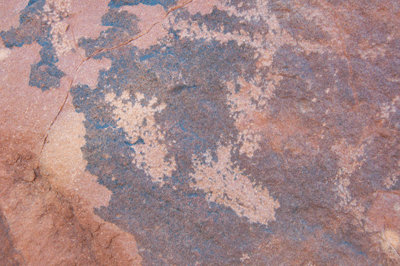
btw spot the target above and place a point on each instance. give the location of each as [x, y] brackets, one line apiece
[85, 18]
[201, 6]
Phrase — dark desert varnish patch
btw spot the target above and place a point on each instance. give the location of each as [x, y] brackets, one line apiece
[299, 159]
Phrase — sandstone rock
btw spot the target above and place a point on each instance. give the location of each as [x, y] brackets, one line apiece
[199, 132]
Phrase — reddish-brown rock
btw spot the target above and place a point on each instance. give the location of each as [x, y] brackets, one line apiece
[218, 132]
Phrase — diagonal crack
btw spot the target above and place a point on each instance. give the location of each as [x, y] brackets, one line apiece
[52, 123]
[140, 35]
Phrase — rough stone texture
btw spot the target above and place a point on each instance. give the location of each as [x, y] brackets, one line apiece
[199, 132]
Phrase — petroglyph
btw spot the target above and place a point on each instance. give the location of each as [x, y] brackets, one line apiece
[349, 157]
[227, 185]
[137, 120]
[54, 11]
[248, 101]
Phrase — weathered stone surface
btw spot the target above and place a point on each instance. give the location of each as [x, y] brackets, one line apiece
[214, 132]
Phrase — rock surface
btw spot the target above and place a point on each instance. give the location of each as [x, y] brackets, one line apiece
[199, 132]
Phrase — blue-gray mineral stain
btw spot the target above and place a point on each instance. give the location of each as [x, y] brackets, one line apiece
[44, 74]
[165, 3]
[197, 118]
[123, 27]
[174, 223]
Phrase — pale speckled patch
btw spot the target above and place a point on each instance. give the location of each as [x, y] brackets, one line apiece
[347, 202]
[341, 188]
[350, 159]
[372, 52]
[348, 162]
[60, 6]
[227, 185]
[59, 39]
[389, 108]
[250, 98]
[137, 120]
[53, 13]
[71, 20]
[249, 107]
[261, 10]
[196, 32]
[393, 177]
[310, 264]
[266, 45]
[244, 257]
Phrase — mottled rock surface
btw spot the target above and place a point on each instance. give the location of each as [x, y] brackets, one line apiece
[199, 132]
